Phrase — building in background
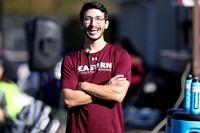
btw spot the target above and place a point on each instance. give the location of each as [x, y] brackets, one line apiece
[154, 25]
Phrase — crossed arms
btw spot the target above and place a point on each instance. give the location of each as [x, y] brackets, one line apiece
[114, 90]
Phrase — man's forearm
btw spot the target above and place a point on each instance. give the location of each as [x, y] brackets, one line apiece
[114, 90]
[106, 92]
[74, 98]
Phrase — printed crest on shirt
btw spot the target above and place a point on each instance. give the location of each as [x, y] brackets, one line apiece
[102, 66]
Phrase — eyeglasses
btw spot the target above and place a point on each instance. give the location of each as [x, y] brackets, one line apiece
[97, 19]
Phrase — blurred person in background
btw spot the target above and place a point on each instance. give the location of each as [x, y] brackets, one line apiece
[95, 78]
[11, 99]
[20, 112]
[138, 67]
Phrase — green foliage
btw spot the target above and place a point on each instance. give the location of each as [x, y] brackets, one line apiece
[62, 7]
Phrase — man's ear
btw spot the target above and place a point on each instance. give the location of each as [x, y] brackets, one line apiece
[81, 25]
[107, 24]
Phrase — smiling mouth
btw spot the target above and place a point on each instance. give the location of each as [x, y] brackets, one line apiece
[93, 31]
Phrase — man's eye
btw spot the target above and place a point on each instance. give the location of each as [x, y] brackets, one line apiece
[98, 18]
[87, 18]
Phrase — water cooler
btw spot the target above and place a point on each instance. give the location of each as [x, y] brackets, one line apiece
[186, 119]
[184, 122]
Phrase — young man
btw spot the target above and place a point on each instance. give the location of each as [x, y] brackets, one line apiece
[95, 79]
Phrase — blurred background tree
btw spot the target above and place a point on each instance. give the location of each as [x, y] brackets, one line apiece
[62, 7]
[66, 12]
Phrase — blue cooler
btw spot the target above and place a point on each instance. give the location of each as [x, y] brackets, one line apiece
[184, 122]
[169, 118]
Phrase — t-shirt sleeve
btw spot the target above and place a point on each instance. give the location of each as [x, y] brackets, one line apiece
[123, 65]
[68, 74]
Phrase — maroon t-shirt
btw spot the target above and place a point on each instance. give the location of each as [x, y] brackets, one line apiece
[100, 116]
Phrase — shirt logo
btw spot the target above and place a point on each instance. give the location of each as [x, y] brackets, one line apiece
[102, 66]
[94, 58]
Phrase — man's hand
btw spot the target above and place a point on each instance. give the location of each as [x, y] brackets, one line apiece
[117, 80]
[81, 85]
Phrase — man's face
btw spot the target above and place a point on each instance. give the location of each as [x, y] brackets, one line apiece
[94, 24]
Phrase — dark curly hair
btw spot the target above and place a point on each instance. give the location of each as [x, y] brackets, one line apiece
[92, 5]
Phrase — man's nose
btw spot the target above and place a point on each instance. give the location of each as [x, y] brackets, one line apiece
[92, 22]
